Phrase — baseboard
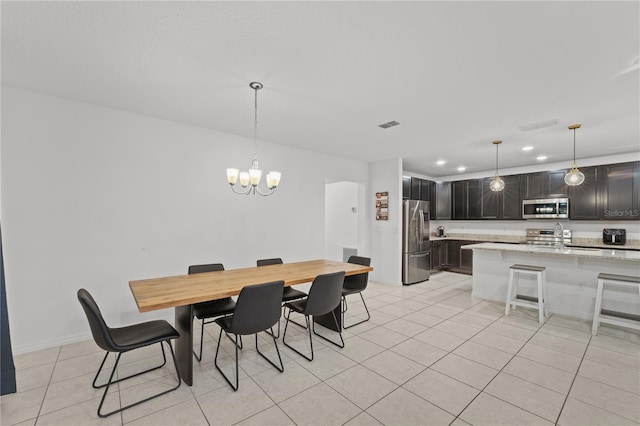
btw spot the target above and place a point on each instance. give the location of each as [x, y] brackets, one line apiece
[61, 341]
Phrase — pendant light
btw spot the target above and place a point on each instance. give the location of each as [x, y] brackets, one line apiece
[250, 180]
[575, 177]
[496, 184]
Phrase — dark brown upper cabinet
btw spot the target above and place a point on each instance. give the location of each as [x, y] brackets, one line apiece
[466, 196]
[544, 184]
[505, 204]
[620, 191]
[584, 199]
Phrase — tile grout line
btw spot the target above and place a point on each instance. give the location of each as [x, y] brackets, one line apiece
[573, 381]
[48, 384]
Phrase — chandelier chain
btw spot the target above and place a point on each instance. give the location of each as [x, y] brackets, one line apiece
[255, 123]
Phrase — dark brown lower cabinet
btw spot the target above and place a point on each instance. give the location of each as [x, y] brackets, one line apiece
[438, 255]
[457, 259]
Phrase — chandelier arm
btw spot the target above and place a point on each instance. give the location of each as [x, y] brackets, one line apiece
[264, 194]
[243, 192]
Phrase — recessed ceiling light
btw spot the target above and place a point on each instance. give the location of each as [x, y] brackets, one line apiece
[527, 148]
[462, 168]
[440, 162]
[541, 157]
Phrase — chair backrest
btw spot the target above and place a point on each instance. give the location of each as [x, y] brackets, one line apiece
[209, 267]
[325, 293]
[265, 262]
[359, 281]
[99, 328]
[258, 308]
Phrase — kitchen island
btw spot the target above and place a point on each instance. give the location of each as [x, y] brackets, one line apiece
[571, 275]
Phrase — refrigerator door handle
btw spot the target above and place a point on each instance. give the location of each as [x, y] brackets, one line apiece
[421, 228]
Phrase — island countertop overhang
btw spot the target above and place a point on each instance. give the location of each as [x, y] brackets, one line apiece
[590, 253]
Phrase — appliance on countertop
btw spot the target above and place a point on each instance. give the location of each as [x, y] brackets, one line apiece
[440, 231]
[616, 237]
[548, 237]
[546, 208]
[416, 264]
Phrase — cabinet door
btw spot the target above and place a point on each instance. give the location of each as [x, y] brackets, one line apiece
[532, 185]
[555, 183]
[490, 201]
[442, 200]
[474, 198]
[458, 200]
[584, 199]
[511, 199]
[620, 191]
[453, 254]
[416, 187]
[436, 255]
[466, 258]
[406, 188]
[425, 190]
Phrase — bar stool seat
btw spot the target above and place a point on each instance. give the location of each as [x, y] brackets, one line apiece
[609, 317]
[513, 299]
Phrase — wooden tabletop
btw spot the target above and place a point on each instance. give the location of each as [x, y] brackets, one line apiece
[169, 292]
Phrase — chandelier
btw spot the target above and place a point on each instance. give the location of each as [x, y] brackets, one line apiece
[496, 184]
[575, 177]
[250, 180]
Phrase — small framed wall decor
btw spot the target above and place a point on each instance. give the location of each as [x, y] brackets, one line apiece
[382, 206]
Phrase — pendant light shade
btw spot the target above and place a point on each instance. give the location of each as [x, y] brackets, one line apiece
[496, 184]
[575, 177]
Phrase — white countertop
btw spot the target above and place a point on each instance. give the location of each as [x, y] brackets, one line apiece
[593, 253]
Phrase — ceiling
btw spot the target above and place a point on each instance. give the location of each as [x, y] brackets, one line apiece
[455, 75]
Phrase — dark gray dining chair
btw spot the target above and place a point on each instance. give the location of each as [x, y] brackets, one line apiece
[355, 284]
[289, 293]
[212, 309]
[257, 309]
[125, 339]
[324, 297]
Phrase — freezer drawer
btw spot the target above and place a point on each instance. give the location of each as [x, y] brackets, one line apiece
[415, 267]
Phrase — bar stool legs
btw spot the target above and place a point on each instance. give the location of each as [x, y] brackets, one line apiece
[539, 302]
[616, 318]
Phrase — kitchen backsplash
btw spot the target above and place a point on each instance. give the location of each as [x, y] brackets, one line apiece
[584, 233]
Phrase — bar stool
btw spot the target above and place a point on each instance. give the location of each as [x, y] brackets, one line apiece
[610, 317]
[539, 302]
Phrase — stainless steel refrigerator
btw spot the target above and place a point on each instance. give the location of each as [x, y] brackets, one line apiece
[415, 241]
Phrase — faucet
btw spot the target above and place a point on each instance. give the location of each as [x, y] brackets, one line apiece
[559, 232]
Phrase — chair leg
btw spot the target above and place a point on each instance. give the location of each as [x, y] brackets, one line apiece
[340, 345]
[111, 381]
[215, 361]
[281, 368]
[284, 335]
[359, 322]
[199, 358]
[95, 379]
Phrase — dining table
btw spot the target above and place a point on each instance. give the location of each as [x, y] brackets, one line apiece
[181, 292]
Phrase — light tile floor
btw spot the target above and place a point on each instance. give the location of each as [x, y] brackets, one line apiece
[431, 354]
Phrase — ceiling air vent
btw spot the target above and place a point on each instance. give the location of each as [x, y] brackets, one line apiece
[389, 124]
[538, 125]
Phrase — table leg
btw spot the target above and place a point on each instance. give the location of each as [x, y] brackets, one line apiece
[326, 320]
[184, 343]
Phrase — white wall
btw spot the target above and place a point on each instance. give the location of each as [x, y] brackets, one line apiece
[386, 236]
[95, 197]
[341, 221]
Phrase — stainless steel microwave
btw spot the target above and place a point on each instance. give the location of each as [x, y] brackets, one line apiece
[545, 208]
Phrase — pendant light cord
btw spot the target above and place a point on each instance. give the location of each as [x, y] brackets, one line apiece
[496, 159]
[574, 149]
[255, 123]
